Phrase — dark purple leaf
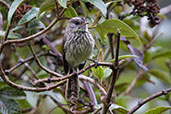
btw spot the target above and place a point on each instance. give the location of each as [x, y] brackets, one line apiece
[134, 51]
[138, 60]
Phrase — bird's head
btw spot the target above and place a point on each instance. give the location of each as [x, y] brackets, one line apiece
[77, 24]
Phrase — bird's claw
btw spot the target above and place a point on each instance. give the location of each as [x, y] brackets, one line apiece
[95, 62]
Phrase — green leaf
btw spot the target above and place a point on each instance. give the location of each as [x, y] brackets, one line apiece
[118, 108]
[63, 3]
[107, 72]
[9, 106]
[11, 93]
[7, 103]
[70, 12]
[158, 110]
[108, 3]
[100, 5]
[45, 6]
[12, 9]
[160, 75]
[17, 28]
[42, 74]
[112, 25]
[23, 103]
[123, 57]
[29, 16]
[84, 8]
[35, 25]
[10, 35]
[46, 47]
[147, 56]
[162, 53]
[57, 96]
[98, 72]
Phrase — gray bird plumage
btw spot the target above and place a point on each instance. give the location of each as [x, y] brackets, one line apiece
[78, 44]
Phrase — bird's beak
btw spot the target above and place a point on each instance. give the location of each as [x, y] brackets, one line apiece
[85, 23]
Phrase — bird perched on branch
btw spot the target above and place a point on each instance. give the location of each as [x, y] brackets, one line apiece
[78, 44]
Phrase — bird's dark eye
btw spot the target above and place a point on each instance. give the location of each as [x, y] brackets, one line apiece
[76, 23]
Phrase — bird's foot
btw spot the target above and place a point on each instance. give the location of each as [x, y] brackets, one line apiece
[95, 62]
[75, 73]
[73, 104]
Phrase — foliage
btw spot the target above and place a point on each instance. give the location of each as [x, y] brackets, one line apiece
[29, 28]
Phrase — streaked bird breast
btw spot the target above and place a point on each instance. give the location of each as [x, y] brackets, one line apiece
[78, 47]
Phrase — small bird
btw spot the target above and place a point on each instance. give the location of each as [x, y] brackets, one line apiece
[78, 44]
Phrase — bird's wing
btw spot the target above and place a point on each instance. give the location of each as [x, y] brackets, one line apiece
[65, 63]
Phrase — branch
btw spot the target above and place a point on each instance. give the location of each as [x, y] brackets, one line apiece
[140, 73]
[141, 103]
[37, 34]
[60, 105]
[41, 66]
[113, 78]
[25, 64]
[44, 39]
[72, 74]
[5, 38]
[91, 93]
[88, 79]
[24, 61]
[96, 20]
[25, 88]
[66, 109]
[57, 9]
[5, 3]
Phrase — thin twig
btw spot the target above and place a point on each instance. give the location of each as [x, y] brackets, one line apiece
[5, 39]
[91, 93]
[148, 46]
[96, 20]
[5, 3]
[24, 61]
[25, 88]
[60, 105]
[88, 79]
[130, 87]
[34, 35]
[37, 34]
[141, 103]
[52, 48]
[72, 74]
[68, 110]
[96, 111]
[26, 110]
[26, 64]
[41, 66]
[57, 9]
[7, 32]
[113, 78]
[31, 70]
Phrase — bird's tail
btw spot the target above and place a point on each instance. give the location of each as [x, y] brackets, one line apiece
[72, 90]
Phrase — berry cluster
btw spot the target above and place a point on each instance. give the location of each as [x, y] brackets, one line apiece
[147, 8]
[21, 10]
